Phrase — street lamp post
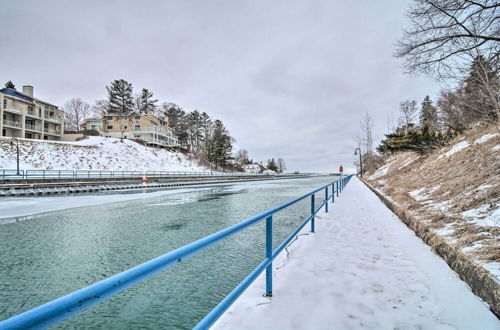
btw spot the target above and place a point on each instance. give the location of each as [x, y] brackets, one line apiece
[360, 162]
[17, 145]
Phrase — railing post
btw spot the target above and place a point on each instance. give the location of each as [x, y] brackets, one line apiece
[312, 213]
[269, 254]
[333, 193]
[337, 188]
[326, 199]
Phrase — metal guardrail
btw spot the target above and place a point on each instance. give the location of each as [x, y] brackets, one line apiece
[62, 308]
[8, 174]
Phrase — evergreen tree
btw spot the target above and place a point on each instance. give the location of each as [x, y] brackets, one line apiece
[218, 147]
[174, 113]
[147, 104]
[206, 126]
[271, 165]
[419, 140]
[10, 84]
[428, 115]
[181, 131]
[480, 92]
[195, 129]
[120, 97]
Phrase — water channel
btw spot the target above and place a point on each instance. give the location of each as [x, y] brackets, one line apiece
[51, 254]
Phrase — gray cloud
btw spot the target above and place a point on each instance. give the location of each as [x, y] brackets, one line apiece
[287, 77]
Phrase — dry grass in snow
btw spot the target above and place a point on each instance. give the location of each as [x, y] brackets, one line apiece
[454, 191]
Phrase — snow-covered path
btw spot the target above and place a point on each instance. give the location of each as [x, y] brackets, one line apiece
[363, 268]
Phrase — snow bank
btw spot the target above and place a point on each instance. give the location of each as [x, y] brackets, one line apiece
[485, 138]
[96, 153]
[456, 148]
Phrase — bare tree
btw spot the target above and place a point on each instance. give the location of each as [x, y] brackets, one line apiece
[75, 111]
[407, 114]
[390, 122]
[444, 32]
[241, 157]
[99, 107]
[366, 133]
[366, 140]
[281, 165]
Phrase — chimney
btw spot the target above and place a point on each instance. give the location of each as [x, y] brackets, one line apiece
[28, 90]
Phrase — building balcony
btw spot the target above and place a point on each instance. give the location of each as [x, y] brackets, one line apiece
[51, 131]
[152, 140]
[11, 123]
[154, 129]
[53, 119]
[17, 111]
[30, 127]
[32, 114]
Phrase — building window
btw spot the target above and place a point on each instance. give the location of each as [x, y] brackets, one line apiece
[5, 103]
[110, 117]
[110, 126]
[137, 117]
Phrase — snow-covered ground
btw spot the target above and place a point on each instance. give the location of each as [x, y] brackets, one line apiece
[363, 268]
[453, 191]
[456, 148]
[95, 153]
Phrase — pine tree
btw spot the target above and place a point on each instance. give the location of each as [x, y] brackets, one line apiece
[219, 147]
[174, 113]
[120, 97]
[271, 165]
[195, 128]
[428, 115]
[147, 104]
[206, 126]
[10, 84]
[480, 96]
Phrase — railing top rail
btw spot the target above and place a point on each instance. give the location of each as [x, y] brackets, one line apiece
[80, 300]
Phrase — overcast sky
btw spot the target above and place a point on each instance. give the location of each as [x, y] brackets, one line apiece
[288, 78]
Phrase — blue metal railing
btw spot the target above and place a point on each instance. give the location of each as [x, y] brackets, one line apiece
[62, 308]
[8, 174]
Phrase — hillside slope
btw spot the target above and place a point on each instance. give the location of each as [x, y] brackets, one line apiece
[454, 192]
[96, 153]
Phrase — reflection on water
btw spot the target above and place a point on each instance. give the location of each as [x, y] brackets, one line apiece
[50, 255]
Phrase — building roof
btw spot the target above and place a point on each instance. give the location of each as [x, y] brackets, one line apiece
[17, 94]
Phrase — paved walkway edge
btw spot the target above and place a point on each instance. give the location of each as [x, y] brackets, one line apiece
[481, 282]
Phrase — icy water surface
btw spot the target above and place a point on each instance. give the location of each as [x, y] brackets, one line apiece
[53, 254]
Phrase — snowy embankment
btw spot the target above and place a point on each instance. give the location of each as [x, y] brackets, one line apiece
[453, 192]
[94, 153]
[329, 280]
